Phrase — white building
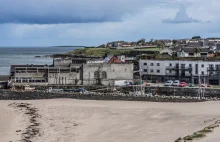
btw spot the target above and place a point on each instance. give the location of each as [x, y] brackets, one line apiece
[106, 74]
[189, 71]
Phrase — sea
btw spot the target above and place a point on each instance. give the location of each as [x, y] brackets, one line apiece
[26, 55]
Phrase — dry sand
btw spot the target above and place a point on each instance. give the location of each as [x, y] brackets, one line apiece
[67, 120]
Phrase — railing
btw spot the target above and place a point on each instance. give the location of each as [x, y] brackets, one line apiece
[178, 68]
[171, 74]
[213, 69]
[214, 74]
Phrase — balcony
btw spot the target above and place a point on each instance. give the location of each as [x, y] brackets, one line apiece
[213, 69]
[171, 74]
[179, 68]
[216, 74]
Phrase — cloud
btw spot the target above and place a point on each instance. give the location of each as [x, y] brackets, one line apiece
[73, 11]
[53, 22]
[182, 17]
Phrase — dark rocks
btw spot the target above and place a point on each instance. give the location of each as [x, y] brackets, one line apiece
[33, 128]
[13, 95]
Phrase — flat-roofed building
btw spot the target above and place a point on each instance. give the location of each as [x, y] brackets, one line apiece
[183, 70]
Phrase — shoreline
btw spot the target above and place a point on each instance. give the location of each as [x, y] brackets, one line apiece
[32, 129]
[37, 95]
[96, 121]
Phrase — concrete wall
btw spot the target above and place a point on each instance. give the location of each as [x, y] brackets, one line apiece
[29, 74]
[114, 72]
[64, 78]
[62, 62]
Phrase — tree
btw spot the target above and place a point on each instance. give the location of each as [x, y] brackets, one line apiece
[196, 37]
[151, 40]
[175, 42]
[141, 41]
[197, 50]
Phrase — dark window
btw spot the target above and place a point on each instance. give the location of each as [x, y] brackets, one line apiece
[151, 71]
[190, 65]
[196, 66]
[145, 64]
[158, 71]
[151, 64]
[202, 72]
[182, 66]
[191, 54]
[158, 64]
[96, 74]
[170, 65]
[104, 75]
[145, 70]
[203, 54]
[202, 65]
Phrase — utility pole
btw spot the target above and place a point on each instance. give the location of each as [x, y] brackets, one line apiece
[89, 81]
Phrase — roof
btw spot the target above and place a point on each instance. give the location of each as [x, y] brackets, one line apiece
[176, 48]
[192, 50]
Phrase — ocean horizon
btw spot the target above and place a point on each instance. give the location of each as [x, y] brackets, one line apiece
[26, 55]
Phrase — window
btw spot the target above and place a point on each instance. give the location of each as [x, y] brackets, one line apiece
[202, 65]
[104, 75]
[158, 71]
[151, 71]
[145, 70]
[190, 72]
[191, 54]
[202, 72]
[196, 70]
[190, 65]
[170, 65]
[151, 64]
[96, 74]
[145, 64]
[158, 64]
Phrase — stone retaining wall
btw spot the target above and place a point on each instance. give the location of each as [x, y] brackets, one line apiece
[178, 91]
[12, 95]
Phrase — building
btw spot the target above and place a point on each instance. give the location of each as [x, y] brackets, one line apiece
[106, 74]
[188, 70]
[195, 52]
[44, 74]
[71, 71]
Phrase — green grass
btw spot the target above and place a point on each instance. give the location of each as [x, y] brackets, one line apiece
[149, 49]
[194, 136]
[99, 52]
[205, 131]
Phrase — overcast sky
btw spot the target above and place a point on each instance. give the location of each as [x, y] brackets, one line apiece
[93, 22]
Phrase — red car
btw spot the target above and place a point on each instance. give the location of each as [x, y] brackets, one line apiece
[182, 84]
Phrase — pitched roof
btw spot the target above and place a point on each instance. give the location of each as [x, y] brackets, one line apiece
[192, 50]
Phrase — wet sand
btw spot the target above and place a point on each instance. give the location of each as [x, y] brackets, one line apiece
[10, 122]
[106, 121]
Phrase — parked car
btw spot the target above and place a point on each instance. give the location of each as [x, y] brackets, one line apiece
[169, 83]
[191, 85]
[182, 84]
[176, 83]
[28, 88]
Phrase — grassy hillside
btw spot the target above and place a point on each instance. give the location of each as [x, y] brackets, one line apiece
[102, 51]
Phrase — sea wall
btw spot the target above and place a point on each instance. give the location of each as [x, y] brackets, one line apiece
[15, 95]
[176, 91]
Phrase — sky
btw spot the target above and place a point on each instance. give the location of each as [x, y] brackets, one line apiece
[96, 22]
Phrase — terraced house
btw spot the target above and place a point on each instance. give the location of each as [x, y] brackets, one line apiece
[184, 70]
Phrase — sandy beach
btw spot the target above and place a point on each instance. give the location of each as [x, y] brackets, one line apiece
[106, 121]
